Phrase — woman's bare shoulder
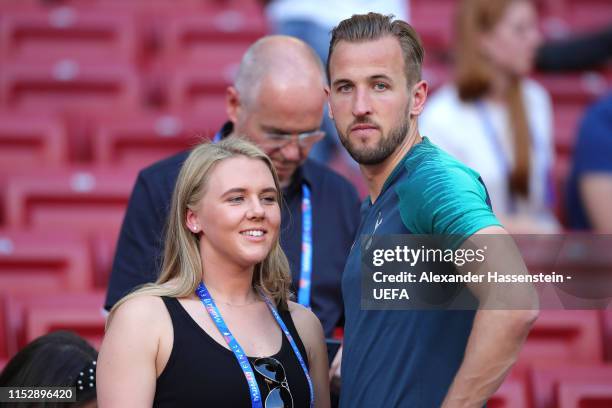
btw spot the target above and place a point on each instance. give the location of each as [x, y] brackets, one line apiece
[139, 309]
[306, 322]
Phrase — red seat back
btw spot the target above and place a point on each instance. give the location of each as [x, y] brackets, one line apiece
[143, 139]
[511, 394]
[562, 337]
[30, 316]
[585, 394]
[546, 380]
[40, 34]
[69, 86]
[31, 140]
[84, 199]
[44, 262]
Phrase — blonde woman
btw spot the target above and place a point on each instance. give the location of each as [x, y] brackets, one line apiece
[217, 328]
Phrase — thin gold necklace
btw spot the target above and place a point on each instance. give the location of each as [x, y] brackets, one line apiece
[235, 305]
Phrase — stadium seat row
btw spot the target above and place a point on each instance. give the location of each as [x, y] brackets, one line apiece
[568, 376]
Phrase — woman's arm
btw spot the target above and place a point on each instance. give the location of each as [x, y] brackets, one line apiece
[126, 372]
[310, 331]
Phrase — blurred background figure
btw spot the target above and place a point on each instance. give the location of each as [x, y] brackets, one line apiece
[587, 50]
[58, 359]
[589, 191]
[312, 21]
[494, 119]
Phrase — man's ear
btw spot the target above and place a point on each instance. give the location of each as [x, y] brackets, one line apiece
[329, 108]
[419, 96]
[232, 104]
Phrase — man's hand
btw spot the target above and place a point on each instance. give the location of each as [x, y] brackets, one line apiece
[334, 371]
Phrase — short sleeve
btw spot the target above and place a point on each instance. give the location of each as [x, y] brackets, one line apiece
[445, 200]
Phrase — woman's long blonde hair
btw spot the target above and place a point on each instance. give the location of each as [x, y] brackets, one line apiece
[182, 267]
[474, 76]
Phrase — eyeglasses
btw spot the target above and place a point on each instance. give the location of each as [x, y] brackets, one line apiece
[304, 140]
[274, 373]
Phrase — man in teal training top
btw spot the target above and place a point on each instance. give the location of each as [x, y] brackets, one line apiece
[410, 358]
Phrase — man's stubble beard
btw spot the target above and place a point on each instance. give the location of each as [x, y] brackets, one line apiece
[385, 147]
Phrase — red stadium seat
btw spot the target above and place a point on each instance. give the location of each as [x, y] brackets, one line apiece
[511, 394]
[545, 381]
[85, 318]
[32, 316]
[141, 140]
[434, 21]
[607, 329]
[562, 337]
[77, 90]
[585, 395]
[28, 140]
[204, 78]
[3, 332]
[195, 92]
[44, 262]
[575, 88]
[84, 199]
[588, 15]
[205, 47]
[67, 32]
[69, 86]
[103, 247]
[191, 36]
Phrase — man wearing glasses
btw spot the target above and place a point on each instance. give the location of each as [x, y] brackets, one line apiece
[277, 102]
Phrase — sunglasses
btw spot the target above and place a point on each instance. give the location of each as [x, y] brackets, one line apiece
[274, 374]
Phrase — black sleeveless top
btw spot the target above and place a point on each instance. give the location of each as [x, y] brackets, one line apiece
[202, 373]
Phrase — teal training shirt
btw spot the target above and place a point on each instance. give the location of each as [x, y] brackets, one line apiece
[404, 358]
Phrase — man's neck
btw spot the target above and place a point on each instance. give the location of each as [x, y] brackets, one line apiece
[288, 182]
[285, 183]
[377, 174]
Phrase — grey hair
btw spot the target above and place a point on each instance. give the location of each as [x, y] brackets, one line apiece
[263, 60]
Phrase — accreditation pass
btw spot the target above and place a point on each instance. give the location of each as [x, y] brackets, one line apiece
[37, 394]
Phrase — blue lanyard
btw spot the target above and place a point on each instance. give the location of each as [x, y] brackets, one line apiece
[239, 353]
[306, 266]
[305, 281]
[215, 315]
[492, 136]
[293, 345]
[497, 147]
[494, 141]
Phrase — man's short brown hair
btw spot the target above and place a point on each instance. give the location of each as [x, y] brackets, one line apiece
[373, 26]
